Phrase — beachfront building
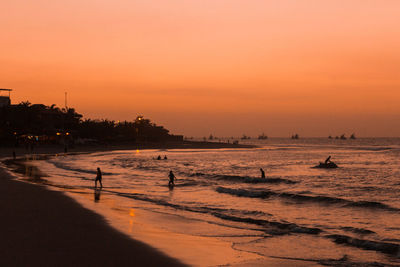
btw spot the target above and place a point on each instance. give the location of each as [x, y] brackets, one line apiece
[5, 100]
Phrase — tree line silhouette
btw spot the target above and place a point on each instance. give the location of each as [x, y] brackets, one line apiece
[26, 122]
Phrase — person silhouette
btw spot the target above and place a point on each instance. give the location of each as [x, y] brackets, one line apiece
[165, 157]
[262, 173]
[159, 157]
[328, 160]
[98, 178]
[172, 178]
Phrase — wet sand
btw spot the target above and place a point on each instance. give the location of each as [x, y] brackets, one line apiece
[39, 227]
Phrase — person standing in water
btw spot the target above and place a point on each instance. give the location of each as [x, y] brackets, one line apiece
[262, 173]
[172, 178]
[98, 178]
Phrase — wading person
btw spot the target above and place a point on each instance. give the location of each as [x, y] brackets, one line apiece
[262, 173]
[98, 178]
[172, 178]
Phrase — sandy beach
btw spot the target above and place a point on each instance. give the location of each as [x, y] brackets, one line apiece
[46, 228]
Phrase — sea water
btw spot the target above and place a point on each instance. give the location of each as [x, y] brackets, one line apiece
[323, 216]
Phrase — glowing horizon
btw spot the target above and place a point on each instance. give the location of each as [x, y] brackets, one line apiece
[225, 68]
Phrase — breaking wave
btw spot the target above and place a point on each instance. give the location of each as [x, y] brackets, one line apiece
[359, 231]
[276, 228]
[305, 198]
[247, 179]
[385, 247]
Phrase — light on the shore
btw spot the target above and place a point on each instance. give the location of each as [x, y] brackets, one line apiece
[132, 213]
[58, 133]
[137, 151]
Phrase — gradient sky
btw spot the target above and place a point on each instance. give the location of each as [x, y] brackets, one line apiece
[225, 67]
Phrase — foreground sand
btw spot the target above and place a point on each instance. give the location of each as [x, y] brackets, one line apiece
[39, 227]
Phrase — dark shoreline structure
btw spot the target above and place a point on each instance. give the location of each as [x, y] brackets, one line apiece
[30, 126]
[38, 123]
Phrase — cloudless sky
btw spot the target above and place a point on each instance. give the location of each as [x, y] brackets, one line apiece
[201, 67]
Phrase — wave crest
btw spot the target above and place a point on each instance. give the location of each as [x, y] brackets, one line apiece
[305, 198]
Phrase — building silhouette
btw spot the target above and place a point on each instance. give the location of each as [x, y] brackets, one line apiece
[5, 100]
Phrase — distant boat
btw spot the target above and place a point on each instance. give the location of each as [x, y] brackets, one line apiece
[244, 137]
[352, 136]
[262, 136]
[295, 136]
[330, 137]
[343, 137]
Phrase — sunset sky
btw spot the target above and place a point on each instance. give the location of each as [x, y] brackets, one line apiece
[200, 67]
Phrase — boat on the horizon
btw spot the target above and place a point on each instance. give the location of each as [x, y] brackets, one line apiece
[295, 136]
[353, 136]
[244, 137]
[262, 136]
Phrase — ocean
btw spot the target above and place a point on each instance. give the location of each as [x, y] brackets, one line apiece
[348, 215]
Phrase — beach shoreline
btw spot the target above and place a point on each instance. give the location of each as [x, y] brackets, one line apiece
[159, 230]
[42, 226]
[45, 227]
[53, 211]
[161, 248]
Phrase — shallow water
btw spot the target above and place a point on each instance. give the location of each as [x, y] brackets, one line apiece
[296, 212]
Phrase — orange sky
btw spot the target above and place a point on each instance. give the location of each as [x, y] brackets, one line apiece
[224, 67]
